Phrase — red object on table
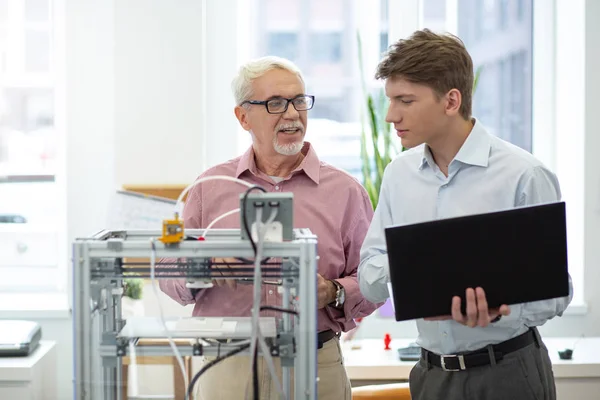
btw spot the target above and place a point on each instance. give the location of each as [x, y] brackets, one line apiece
[387, 340]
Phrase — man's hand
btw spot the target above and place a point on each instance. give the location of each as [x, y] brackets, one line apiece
[222, 264]
[325, 292]
[478, 313]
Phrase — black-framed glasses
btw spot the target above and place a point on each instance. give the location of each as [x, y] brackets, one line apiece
[279, 105]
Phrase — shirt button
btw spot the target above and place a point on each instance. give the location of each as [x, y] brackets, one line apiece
[270, 292]
[276, 187]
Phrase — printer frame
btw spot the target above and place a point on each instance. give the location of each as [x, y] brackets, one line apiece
[99, 271]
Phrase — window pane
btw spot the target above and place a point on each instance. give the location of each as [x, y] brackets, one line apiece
[520, 9]
[434, 10]
[502, 100]
[319, 37]
[326, 13]
[3, 50]
[27, 137]
[283, 45]
[329, 108]
[434, 13]
[504, 14]
[37, 51]
[384, 11]
[280, 14]
[383, 42]
[520, 106]
[326, 47]
[489, 15]
[37, 10]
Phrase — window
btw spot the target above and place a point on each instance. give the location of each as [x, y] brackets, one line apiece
[283, 44]
[329, 108]
[499, 34]
[327, 47]
[29, 195]
[320, 37]
[384, 13]
[503, 54]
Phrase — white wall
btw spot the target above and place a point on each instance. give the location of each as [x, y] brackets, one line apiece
[161, 88]
[158, 91]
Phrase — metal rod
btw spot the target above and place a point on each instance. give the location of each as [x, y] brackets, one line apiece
[306, 364]
[287, 327]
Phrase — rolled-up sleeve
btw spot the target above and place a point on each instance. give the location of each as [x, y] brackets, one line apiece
[355, 304]
[192, 217]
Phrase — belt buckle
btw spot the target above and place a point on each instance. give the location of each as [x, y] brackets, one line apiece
[461, 362]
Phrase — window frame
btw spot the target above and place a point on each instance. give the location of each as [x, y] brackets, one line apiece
[544, 140]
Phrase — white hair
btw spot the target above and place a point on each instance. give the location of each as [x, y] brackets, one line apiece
[242, 83]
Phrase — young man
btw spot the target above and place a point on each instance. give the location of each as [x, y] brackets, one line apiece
[272, 105]
[455, 167]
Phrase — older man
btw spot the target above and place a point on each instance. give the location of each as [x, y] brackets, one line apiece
[271, 104]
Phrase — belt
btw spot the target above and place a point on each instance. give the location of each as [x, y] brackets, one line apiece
[324, 337]
[478, 358]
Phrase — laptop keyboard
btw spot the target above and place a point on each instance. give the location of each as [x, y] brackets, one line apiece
[410, 353]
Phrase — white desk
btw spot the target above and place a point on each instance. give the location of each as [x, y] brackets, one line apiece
[32, 377]
[580, 376]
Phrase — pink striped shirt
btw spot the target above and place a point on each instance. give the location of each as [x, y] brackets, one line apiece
[327, 200]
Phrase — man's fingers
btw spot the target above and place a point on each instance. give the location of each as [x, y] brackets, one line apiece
[439, 318]
[218, 282]
[456, 313]
[471, 307]
[504, 310]
[482, 308]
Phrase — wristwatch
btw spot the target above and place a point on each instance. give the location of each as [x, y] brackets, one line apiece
[340, 295]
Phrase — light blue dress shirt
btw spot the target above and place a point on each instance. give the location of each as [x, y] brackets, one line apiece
[488, 174]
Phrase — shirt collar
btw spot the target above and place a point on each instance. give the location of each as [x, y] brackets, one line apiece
[474, 151]
[310, 165]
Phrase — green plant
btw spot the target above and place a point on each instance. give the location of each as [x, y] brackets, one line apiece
[380, 150]
[133, 288]
[377, 149]
[476, 78]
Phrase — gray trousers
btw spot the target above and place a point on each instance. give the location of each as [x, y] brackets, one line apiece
[522, 374]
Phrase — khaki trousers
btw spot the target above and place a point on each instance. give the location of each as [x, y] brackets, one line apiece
[231, 378]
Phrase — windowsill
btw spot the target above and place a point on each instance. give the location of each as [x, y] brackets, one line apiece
[578, 308]
[34, 306]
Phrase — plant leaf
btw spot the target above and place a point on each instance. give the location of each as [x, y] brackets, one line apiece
[376, 130]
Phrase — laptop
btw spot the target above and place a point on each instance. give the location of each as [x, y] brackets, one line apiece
[516, 256]
[19, 338]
